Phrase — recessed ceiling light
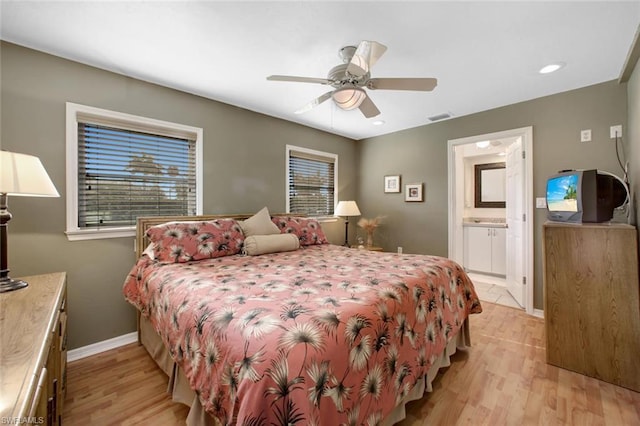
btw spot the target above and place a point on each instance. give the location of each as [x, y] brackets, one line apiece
[502, 154]
[482, 144]
[378, 123]
[551, 68]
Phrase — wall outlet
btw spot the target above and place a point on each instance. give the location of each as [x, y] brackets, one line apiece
[541, 203]
[585, 135]
[615, 131]
[399, 250]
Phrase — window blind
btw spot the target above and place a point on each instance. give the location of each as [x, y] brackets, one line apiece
[123, 174]
[311, 184]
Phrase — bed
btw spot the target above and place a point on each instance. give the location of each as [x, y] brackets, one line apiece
[319, 335]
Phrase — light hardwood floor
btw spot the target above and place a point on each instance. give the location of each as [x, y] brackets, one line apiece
[502, 379]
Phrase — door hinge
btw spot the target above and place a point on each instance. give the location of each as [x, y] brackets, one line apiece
[524, 217]
[524, 155]
[524, 280]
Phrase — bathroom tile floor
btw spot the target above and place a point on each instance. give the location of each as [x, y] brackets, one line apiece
[491, 289]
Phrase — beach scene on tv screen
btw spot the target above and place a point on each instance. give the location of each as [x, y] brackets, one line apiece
[562, 195]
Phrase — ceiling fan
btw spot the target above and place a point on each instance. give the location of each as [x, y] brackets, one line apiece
[350, 78]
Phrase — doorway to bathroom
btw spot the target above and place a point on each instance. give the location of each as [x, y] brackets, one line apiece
[491, 210]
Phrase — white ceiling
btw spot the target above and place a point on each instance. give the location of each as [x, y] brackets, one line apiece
[484, 54]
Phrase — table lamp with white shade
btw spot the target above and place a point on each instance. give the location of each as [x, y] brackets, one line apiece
[21, 175]
[347, 209]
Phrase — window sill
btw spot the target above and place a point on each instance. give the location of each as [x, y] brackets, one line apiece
[325, 219]
[97, 234]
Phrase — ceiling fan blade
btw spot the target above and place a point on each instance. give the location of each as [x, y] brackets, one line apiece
[422, 84]
[366, 55]
[368, 108]
[298, 79]
[314, 103]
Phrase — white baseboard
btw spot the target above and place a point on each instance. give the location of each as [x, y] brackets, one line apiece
[489, 279]
[105, 345]
[538, 313]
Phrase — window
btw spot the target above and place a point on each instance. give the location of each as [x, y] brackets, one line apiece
[121, 166]
[311, 181]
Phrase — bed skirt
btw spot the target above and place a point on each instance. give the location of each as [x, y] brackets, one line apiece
[181, 391]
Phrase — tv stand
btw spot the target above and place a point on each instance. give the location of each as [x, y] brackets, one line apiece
[591, 300]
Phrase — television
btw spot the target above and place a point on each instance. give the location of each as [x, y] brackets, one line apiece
[583, 196]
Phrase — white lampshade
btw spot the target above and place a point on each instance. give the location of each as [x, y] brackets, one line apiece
[349, 98]
[24, 175]
[347, 208]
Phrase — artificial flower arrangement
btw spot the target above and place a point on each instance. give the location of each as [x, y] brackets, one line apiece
[369, 226]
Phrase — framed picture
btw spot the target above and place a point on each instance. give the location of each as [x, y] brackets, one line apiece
[392, 183]
[413, 192]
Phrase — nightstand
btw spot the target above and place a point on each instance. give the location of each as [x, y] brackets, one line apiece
[369, 248]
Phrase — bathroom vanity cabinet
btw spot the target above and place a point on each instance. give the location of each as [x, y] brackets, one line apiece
[485, 249]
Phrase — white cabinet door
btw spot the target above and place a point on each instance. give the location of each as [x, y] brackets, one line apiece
[478, 248]
[499, 251]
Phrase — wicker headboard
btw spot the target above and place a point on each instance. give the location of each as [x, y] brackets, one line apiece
[144, 223]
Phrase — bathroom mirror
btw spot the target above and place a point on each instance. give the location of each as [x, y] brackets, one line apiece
[490, 185]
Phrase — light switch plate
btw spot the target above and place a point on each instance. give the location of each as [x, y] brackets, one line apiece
[585, 135]
[541, 203]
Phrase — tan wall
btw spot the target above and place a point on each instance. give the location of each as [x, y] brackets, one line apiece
[244, 170]
[420, 155]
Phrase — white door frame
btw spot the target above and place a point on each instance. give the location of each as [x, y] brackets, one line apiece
[456, 202]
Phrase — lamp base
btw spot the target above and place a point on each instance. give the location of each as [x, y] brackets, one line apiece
[8, 284]
[346, 232]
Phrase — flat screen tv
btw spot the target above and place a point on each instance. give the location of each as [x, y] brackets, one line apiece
[583, 196]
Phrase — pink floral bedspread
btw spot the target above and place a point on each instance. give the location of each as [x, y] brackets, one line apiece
[322, 335]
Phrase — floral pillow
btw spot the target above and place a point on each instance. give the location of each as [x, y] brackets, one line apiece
[180, 242]
[308, 231]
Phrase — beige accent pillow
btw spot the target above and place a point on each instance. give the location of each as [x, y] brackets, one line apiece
[259, 224]
[263, 244]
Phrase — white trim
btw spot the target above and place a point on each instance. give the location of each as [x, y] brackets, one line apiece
[314, 152]
[75, 112]
[327, 219]
[538, 313]
[93, 234]
[455, 232]
[99, 347]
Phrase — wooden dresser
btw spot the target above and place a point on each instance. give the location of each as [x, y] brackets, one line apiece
[592, 300]
[33, 356]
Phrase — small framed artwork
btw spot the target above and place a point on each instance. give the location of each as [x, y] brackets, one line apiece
[413, 192]
[392, 183]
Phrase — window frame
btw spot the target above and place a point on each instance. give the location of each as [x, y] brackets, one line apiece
[82, 113]
[312, 152]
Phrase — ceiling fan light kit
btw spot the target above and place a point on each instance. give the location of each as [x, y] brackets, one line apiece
[351, 78]
[348, 98]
